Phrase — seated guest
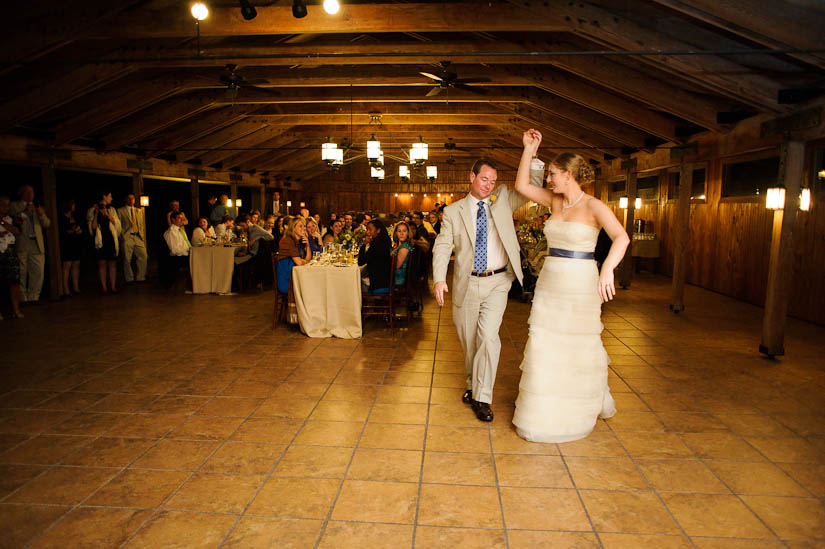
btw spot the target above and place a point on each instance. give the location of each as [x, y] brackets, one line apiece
[224, 227]
[334, 232]
[348, 226]
[304, 212]
[292, 250]
[9, 264]
[280, 223]
[439, 216]
[316, 243]
[401, 248]
[242, 254]
[420, 235]
[202, 233]
[255, 218]
[258, 233]
[321, 229]
[375, 254]
[179, 245]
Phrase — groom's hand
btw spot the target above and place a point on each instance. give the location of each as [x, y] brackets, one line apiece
[439, 289]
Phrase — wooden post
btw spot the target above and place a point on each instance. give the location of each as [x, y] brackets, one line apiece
[780, 268]
[682, 232]
[262, 201]
[54, 264]
[137, 185]
[233, 190]
[626, 270]
[194, 189]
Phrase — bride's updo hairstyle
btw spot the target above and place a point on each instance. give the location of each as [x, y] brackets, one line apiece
[575, 164]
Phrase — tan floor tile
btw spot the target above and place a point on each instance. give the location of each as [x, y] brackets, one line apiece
[314, 461]
[408, 413]
[730, 543]
[803, 424]
[457, 414]
[399, 394]
[94, 528]
[45, 449]
[437, 537]
[681, 475]
[409, 379]
[122, 403]
[506, 441]
[176, 529]
[543, 509]
[389, 465]
[249, 458]
[26, 399]
[206, 428]
[616, 473]
[632, 541]
[365, 534]
[455, 468]
[526, 539]
[754, 425]
[691, 422]
[631, 512]
[596, 444]
[628, 402]
[721, 446]
[296, 497]
[230, 406]
[787, 449]
[71, 400]
[249, 389]
[444, 438]
[361, 378]
[532, 471]
[266, 532]
[295, 408]
[13, 477]
[352, 393]
[10, 440]
[811, 476]
[470, 506]
[376, 502]
[177, 454]
[136, 488]
[756, 478]
[62, 486]
[86, 423]
[21, 523]
[393, 436]
[635, 421]
[790, 518]
[300, 390]
[145, 426]
[670, 403]
[271, 430]
[445, 395]
[341, 410]
[330, 433]
[176, 404]
[199, 493]
[110, 452]
[715, 515]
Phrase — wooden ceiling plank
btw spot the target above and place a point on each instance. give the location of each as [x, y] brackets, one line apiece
[219, 138]
[386, 119]
[189, 130]
[63, 89]
[268, 150]
[238, 145]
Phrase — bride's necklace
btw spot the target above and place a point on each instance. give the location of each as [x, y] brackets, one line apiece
[568, 206]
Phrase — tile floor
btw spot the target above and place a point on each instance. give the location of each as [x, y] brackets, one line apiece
[150, 419]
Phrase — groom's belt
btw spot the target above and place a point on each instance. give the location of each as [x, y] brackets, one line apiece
[570, 254]
[488, 273]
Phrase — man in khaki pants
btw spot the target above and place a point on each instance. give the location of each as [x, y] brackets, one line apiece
[30, 243]
[133, 232]
[486, 261]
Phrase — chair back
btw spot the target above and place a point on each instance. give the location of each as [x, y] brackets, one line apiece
[284, 273]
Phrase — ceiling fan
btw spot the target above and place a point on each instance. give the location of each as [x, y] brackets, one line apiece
[234, 82]
[447, 79]
[451, 146]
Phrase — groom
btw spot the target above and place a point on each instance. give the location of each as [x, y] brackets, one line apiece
[486, 261]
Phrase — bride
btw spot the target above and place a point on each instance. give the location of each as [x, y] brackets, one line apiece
[563, 387]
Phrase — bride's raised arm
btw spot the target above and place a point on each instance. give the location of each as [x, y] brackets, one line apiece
[531, 140]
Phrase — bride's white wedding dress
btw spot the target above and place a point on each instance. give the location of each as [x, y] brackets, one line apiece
[563, 388]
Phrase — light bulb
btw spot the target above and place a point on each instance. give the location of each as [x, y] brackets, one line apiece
[200, 11]
[331, 6]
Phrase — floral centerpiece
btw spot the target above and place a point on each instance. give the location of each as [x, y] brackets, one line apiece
[352, 239]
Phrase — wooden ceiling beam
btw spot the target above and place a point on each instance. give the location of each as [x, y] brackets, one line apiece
[264, 152]
[187, 131]
[239, 145]
[59, 91]
[377, 107]
[363, 18]
[219, 138]
[386, 119]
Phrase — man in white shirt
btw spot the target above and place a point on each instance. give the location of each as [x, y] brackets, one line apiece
[224, 227]
[178, 244]
[30, 244]
[133, 233]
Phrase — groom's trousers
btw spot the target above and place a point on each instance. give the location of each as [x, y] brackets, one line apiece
[477, 321]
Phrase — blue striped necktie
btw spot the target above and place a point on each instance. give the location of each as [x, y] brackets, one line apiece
[480, 257]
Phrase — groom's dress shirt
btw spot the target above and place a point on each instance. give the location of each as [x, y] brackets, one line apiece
[496, 254]
[177, 241]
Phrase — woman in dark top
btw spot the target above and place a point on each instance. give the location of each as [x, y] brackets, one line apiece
[375, 254]
[104, 226]
[71, 247]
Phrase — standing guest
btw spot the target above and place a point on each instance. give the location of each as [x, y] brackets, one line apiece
[224, 227]
[212, 200]
[174, 206]
[334, 232]
[375, 254]
[438, 216]
[277, 207]
[292, 250]
[316, 243]
[30, 245]
[9, 264]
[219, 211]
[401, 248]
[304, 212]
[104, 226]
[202, 233]
[71, 247]
[420, 235]
[179, 245]
[133, 234]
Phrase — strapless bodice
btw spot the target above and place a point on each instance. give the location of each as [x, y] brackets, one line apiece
[570, 235]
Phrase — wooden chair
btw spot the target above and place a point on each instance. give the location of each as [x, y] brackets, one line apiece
[380, 304]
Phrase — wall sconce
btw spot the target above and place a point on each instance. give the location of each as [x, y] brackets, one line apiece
[144, 200]
[396, 195]
[411, 195]
[303, 204]
[638, 204]
[805, 199]
[623, 202]
[289, 203]
[228, 202]
[775, 199]
[238, 203]
[451, 195]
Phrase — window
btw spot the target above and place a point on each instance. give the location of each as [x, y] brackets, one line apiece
[647, 188]
[616, 190]
[750, 178]
[697, 187]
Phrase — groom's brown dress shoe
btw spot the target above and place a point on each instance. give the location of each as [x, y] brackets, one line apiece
[468, 397]
[482, 410]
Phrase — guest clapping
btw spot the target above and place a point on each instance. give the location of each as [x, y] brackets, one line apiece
[375, 254]
[203, 233]
[104, 226]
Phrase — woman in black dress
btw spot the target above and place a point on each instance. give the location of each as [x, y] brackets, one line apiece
[71, 247]
[375, 254]
[104, 226]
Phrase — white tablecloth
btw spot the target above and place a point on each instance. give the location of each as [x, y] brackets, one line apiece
[328, 300]
[211, 268]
